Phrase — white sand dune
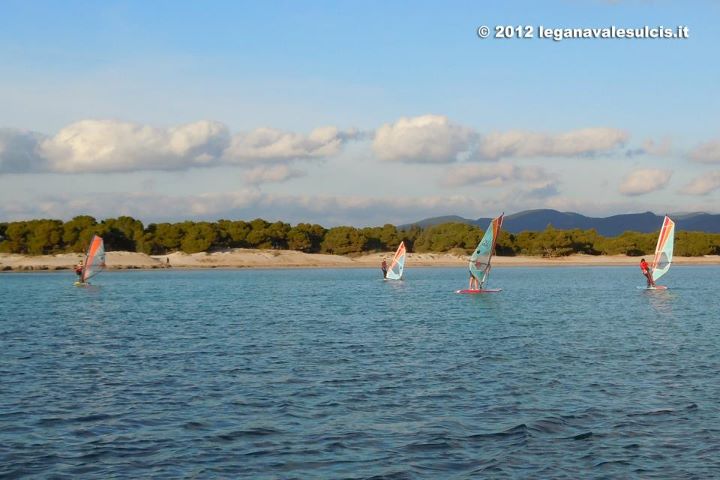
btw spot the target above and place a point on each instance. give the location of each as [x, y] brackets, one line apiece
[250, 258]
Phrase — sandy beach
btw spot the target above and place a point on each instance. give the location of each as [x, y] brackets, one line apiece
[249, 258]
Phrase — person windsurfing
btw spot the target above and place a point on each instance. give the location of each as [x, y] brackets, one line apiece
[473, 284]
[79, 272]
[384, 268]
[647, 271]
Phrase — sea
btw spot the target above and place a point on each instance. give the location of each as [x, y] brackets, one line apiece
[569, 372]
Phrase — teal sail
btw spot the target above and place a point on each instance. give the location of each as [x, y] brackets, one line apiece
[482, 256]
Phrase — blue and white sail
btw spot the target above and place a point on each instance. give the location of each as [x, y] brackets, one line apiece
[482, 256]
[395, 271]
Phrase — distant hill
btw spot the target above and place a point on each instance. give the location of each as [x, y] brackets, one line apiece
[537, 220]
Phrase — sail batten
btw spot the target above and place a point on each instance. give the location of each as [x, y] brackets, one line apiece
[95, 259]
[482, 256]
[664, 249]
[395, 271]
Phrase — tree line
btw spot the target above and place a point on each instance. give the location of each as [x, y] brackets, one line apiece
[37, 237]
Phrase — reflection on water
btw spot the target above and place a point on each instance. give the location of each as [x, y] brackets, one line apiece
[661, 301]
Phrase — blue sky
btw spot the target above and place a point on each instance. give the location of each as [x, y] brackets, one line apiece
[353, 112]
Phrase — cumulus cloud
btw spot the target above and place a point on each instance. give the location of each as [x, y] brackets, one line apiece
[703, 184]
[645, 181]
[93, 146]
[269, 144]
[521, 144]
[708, 152]
[113, 146]
[424, 139]
[435, 139]
[271, 174]
[19, 151]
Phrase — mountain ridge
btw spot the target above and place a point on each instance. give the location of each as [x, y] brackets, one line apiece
[539, 219]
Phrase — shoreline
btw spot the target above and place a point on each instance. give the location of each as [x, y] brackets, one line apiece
[271, 259]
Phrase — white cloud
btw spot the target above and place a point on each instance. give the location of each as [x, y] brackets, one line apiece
[703, 184]
[588, 141]
[19, 151]
[113, 146]
[708, 152]
[435, 139]
[271, 174]
[92, 146]
[269, 144]
[645, 181]
[424, 139]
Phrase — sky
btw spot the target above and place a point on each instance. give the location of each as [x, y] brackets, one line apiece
[354, 113]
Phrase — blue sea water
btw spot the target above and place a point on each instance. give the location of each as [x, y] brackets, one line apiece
[323, 373]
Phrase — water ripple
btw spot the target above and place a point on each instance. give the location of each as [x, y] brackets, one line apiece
[568, 373]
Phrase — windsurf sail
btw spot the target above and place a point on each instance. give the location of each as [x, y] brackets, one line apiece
[482, 256]
[664, 249]
[95, 259]
[395, 272]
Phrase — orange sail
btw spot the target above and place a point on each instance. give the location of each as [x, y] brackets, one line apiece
[95, 259]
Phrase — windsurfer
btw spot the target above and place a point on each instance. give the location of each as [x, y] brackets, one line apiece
[647, 272]
[79, 271]
[384, 268]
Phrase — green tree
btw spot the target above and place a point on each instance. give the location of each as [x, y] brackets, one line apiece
[259, 237]
[305, 237]
[446, 236]
[78, 232]
[44, 236]
[123, 233]
[553, 243]
[234, 233]
[344, 240]
[16, 235]
[277, 233]
[198, 237]
[167, 236]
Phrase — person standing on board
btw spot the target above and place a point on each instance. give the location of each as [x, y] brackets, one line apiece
[646, 271]
[383, 266]
[473, 284]
[79, 271]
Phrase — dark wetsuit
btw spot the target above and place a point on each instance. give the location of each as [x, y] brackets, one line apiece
[383, 266]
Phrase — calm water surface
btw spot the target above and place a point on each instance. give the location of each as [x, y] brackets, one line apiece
[568, 373]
